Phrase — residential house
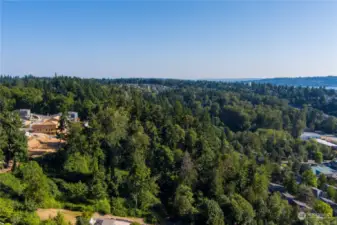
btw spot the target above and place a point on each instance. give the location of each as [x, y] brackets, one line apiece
[317, 192]
[326, 143]
[290, 198]
[73, 116]
[309, 135]
[105, 221]
[49, 126]
[333, 164]
[332, 176]
[322, 169]
[102, 222]
[25, 114]
[301, 205]
[276, 187]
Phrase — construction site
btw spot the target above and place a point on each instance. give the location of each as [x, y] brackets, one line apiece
[41, 132]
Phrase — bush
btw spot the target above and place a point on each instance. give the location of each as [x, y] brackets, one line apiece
[10, 184]
[118, 207]
[87, 214]
[324, 208]
[135, 212]
[76, 191]
[26, 218]
[151, 218]
[135, 223]
[51, 203]
[77, 163]
[82, 221]
[103, 206]
[53, 189]
[6, 209]
[78, 207]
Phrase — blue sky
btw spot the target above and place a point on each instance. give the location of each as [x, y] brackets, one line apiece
[169, 39]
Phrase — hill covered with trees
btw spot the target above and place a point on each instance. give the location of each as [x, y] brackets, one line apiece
[189, 152]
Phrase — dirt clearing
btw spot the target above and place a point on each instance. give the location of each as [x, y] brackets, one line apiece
[40, 144]
[70, 216]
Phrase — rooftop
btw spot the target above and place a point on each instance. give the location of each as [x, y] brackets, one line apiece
[322, 169]
[301, 204]
[287, 195]
[326, 200]
[308, 135]
[324, 142]
[275, 185]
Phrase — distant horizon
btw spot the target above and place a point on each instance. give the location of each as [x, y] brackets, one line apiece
[209, 79]
[171, 39]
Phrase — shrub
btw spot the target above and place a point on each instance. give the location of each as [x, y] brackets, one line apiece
[118, 207]
[76, 191]
[82, 221]
[324, 208]
[103, 206]
[135, 212]
[51, 203]
[77, 163]
[135, 223]
[78, 207]
[6, 209]
[10, 184]
[26, 218]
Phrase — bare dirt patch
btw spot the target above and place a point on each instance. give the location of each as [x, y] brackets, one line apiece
[6, 170]
[70, 216]
[40, 144]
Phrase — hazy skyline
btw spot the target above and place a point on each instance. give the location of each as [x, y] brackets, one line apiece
[169, 39]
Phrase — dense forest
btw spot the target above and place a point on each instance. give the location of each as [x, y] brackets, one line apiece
[169, 151]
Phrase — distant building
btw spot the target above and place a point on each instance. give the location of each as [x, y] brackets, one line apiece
[290, 198]
[317, 192]
[46, 127]
[101, 222]
[73, 116]
[108, 222]
[309, 135]
[324, 142]
[333, 164]
[25, 113]
[301, 205]
[276, 187]
[332, 176]
[317, 170]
